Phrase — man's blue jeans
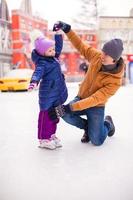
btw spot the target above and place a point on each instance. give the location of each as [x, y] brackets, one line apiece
[94, 124]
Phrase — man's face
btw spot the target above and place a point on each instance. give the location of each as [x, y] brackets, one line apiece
[106, 59]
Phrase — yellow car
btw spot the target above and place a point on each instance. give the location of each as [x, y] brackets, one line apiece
[16, 80]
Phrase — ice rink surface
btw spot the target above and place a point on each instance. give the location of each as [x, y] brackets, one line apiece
[74, 172]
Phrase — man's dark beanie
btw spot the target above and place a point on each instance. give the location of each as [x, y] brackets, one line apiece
[113, 48]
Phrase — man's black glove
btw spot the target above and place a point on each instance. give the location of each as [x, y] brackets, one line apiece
[61, 25]
[59, 111]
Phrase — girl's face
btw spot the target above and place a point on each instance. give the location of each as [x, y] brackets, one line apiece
[106, 59]
[50, 52]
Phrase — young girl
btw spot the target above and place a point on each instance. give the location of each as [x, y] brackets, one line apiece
[52, 87]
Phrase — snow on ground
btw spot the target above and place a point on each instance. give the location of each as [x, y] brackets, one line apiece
[76, 171]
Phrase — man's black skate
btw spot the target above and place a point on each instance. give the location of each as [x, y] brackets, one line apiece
[85, 138]
[109, 120]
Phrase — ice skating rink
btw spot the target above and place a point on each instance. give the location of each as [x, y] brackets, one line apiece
[74, 172]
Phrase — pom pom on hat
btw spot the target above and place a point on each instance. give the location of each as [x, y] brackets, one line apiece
[42, 44]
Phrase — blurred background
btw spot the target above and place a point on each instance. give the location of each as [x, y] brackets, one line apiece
[96, 21]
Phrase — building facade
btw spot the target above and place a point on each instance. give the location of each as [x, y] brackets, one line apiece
[5, 39]
[24, 30]
[118, 27]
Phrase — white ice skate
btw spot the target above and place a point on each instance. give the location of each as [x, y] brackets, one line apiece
[56, 140]
[48, 144]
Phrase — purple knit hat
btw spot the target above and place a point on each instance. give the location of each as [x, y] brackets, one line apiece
[43, 44]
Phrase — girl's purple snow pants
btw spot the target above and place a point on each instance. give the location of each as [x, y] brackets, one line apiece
[46, 126]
